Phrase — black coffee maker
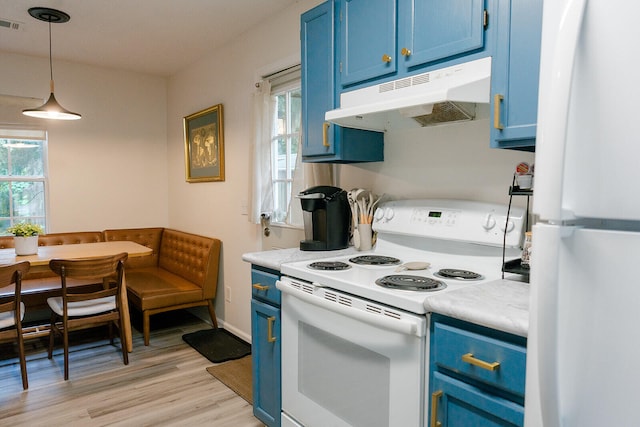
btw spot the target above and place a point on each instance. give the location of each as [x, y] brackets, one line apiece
[326, 218]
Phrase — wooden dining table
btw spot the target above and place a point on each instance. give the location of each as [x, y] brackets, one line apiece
[40, 262]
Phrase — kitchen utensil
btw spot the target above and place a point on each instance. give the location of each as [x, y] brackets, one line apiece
[351, 197]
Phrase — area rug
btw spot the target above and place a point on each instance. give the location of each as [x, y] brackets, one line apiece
[235, 374]
[217, 345]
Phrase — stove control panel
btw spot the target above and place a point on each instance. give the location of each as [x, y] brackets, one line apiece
[460, 220]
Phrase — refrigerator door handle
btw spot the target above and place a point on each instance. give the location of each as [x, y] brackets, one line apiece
[552, 119]
[545, 293]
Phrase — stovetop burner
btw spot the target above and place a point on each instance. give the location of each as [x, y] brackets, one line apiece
[374, 260]
[454, 273]
[410, 283]
[329, 265]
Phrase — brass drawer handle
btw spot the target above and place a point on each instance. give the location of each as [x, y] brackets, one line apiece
[497, 100]
[480, 363]
[405, 52]
[270, 321]
[260, 287]
[325, 134]
[434, 408]
[386, 58]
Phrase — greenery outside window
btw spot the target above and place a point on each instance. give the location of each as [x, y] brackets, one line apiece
[22, 181]
[285, 142]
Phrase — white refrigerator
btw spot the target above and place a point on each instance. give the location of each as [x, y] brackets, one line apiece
[583, 357]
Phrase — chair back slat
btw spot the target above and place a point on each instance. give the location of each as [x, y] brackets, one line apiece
[108, 269]
[11, 275]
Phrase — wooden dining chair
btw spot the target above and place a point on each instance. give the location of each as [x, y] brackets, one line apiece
[12, 311]
[76, 310]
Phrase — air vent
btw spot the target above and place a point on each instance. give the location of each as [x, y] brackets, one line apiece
[10, 25]
[330, 296]
[392, 314]
[345, 300]
[374, 309]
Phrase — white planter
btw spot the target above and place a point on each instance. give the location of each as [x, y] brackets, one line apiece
[26, 245]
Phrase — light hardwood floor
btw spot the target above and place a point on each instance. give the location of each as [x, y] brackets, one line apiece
[165, 384]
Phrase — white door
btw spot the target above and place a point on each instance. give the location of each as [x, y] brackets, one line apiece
[586, 148]
[584, 344]
[339, 369]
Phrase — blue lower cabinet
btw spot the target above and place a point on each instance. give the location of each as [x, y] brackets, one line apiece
[477, 375]
[265, 347]
[456, 403]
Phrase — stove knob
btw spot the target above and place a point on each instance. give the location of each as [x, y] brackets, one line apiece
[489, 222]
[510, 226]
[389, 214]
[379, 214]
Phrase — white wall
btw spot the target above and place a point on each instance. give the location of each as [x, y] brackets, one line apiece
[107, 170]
[227, 76]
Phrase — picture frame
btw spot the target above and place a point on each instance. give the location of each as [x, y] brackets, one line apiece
[204, 145]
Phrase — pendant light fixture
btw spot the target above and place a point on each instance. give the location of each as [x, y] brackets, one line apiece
[51, 109]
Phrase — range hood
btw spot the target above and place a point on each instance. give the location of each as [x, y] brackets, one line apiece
[439, 96]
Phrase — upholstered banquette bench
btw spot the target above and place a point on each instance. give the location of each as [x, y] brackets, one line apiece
[181, 272]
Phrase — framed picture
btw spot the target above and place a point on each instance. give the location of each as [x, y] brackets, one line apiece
[204, 145]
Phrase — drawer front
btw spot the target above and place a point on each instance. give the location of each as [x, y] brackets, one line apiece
[263, 286]
[495, 362]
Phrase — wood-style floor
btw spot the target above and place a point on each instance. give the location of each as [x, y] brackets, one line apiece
[165, 384]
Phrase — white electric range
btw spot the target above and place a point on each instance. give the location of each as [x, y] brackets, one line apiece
[356, 347]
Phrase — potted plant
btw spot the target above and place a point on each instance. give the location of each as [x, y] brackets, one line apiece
[26, 237]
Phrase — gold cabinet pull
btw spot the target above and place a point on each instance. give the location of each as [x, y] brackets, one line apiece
[386, 58]
[480, 363]
[260, 287]
[405, 51]
[270, 321]
[497, 100]
[325, 134]
[434, 408]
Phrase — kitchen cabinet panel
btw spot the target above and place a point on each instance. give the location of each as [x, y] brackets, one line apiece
[477, 375]
[434, 29]
[368, 39]
[384, 39]
[323, 141]
[515, 73]
[266, 346]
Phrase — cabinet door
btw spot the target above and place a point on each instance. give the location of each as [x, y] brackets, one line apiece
[515, 72]
[265, 337]
[433, 30]
[367, 39]
[457, 404]
[316, 34]
[323, 141]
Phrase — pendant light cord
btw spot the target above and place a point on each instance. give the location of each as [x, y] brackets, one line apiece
[50, 54]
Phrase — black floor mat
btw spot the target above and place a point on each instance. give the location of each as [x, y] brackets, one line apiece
[218, 345]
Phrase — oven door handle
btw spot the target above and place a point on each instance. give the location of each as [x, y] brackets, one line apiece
[403, 326]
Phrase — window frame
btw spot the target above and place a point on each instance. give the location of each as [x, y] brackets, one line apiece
[25, 136]
[286, 83]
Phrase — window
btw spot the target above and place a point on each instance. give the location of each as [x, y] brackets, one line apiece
[22, 179]
[285, 140]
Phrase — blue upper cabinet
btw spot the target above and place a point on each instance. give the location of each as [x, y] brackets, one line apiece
[323, 141]
[514, 74]
[394, 38]
[368, 30]
[433, 30]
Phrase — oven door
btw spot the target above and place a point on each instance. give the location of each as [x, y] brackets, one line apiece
[348, 361]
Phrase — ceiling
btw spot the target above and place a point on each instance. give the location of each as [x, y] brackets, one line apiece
[158, 37]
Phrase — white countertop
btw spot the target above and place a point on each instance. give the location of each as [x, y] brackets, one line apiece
[500, 304]
[274, 258]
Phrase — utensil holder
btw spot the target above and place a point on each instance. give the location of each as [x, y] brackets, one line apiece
[365, 237]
